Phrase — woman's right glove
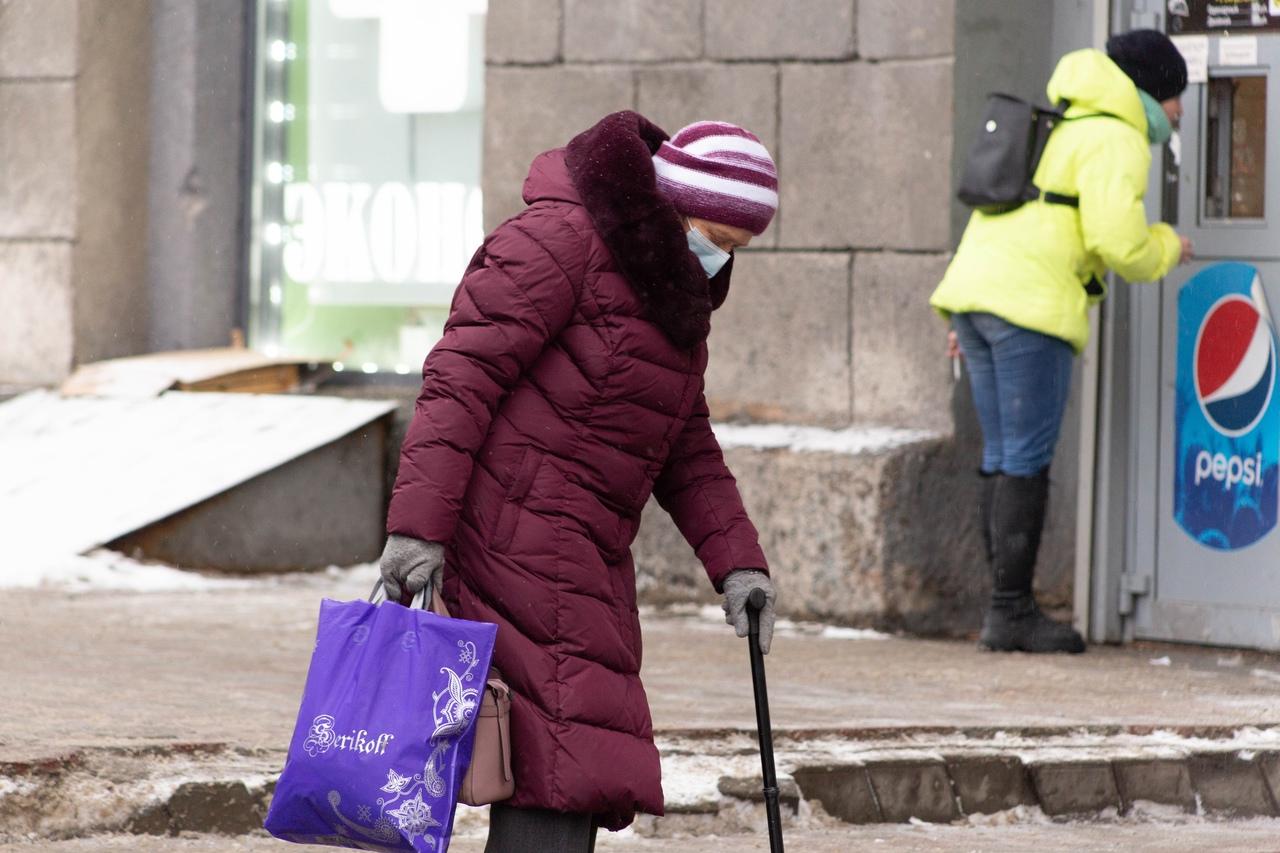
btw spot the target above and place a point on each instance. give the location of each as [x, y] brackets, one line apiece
[737, 588]
[408, 565]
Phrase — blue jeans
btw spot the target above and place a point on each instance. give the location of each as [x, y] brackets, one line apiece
[1020, 381]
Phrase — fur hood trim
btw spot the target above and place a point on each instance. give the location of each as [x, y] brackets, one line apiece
[611, 167]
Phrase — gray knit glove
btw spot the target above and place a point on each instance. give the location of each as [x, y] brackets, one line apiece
[737, 586]
[407, 564]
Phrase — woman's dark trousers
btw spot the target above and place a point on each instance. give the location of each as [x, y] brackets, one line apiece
[514, 830]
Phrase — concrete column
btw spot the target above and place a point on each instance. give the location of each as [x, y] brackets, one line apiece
[195, 262]
[999, 47]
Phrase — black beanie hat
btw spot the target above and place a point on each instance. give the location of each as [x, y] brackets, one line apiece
[1151, 61]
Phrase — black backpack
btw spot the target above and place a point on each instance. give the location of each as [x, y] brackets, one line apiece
[1001, 164]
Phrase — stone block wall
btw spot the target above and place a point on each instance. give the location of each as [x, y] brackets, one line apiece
[73, 152]
[827, 323]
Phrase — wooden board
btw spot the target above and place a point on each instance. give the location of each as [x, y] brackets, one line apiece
[226, 369]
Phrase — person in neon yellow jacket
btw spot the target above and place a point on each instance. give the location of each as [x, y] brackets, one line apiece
[1019, 286]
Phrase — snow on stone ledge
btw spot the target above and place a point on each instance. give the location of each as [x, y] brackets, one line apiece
[79, 472]
[807, 439]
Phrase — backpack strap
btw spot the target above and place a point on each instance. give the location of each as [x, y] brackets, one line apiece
[1059, 198]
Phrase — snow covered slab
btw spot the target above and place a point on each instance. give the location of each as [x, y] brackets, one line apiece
[225, 369]
[79, 472]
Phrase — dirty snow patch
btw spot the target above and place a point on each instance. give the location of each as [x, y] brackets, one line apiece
[106, 570]
[1010, 817]
[712, 612]
[16, 786]
[805, 439]
[835, 632]
[791, 627]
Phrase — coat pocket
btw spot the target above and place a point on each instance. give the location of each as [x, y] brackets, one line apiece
[513, 504]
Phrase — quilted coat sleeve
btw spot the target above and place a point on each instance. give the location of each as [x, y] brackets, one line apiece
[516, 297]
[697, 490]
[1112, 182]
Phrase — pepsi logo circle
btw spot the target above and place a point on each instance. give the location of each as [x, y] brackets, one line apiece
[1234, 365]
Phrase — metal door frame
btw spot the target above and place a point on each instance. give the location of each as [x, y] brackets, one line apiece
[1122, 512]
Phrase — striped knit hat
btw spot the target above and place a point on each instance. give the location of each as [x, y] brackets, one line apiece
[718, 171]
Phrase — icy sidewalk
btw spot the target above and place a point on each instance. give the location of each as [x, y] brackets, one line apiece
[225, 662]
[170, 709]
[1138, 836]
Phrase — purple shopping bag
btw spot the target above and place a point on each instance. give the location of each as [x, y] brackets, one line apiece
[385, 730]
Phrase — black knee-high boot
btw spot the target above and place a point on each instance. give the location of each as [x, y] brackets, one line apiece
[986, 492]
[1014, 622]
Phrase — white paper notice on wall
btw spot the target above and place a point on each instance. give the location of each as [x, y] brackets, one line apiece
[1195, 50]
[1238, 50]
[1274, 7]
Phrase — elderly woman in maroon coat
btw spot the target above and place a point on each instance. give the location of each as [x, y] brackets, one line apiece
[567, 388]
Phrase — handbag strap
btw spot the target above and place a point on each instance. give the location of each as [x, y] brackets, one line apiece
[435, 605]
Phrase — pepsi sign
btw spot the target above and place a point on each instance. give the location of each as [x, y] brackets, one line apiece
[1227, 440]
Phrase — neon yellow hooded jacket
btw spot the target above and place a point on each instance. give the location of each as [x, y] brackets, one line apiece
[1029, 266]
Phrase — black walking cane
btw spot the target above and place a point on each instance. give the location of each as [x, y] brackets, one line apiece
[755, 603]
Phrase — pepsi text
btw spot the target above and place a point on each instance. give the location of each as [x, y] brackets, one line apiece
[1229, 470]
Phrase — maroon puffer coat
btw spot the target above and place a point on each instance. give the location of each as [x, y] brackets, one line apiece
[567, 388]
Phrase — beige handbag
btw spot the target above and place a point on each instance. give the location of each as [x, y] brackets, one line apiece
[489, 778]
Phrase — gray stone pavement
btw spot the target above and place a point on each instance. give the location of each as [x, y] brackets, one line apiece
[113, 700]
[1252, 836]
[227, 666]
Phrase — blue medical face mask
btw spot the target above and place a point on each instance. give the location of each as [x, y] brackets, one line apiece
[1158, 127]
[712, 257]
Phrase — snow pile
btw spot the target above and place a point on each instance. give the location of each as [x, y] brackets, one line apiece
[103, 570]
[711, 616]
[804, 439]
[836, 632]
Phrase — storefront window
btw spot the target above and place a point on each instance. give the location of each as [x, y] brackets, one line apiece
[366, 196]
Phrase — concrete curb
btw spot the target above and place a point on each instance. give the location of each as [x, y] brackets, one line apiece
[213, 788]
[158, 790]
[1229, 784]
